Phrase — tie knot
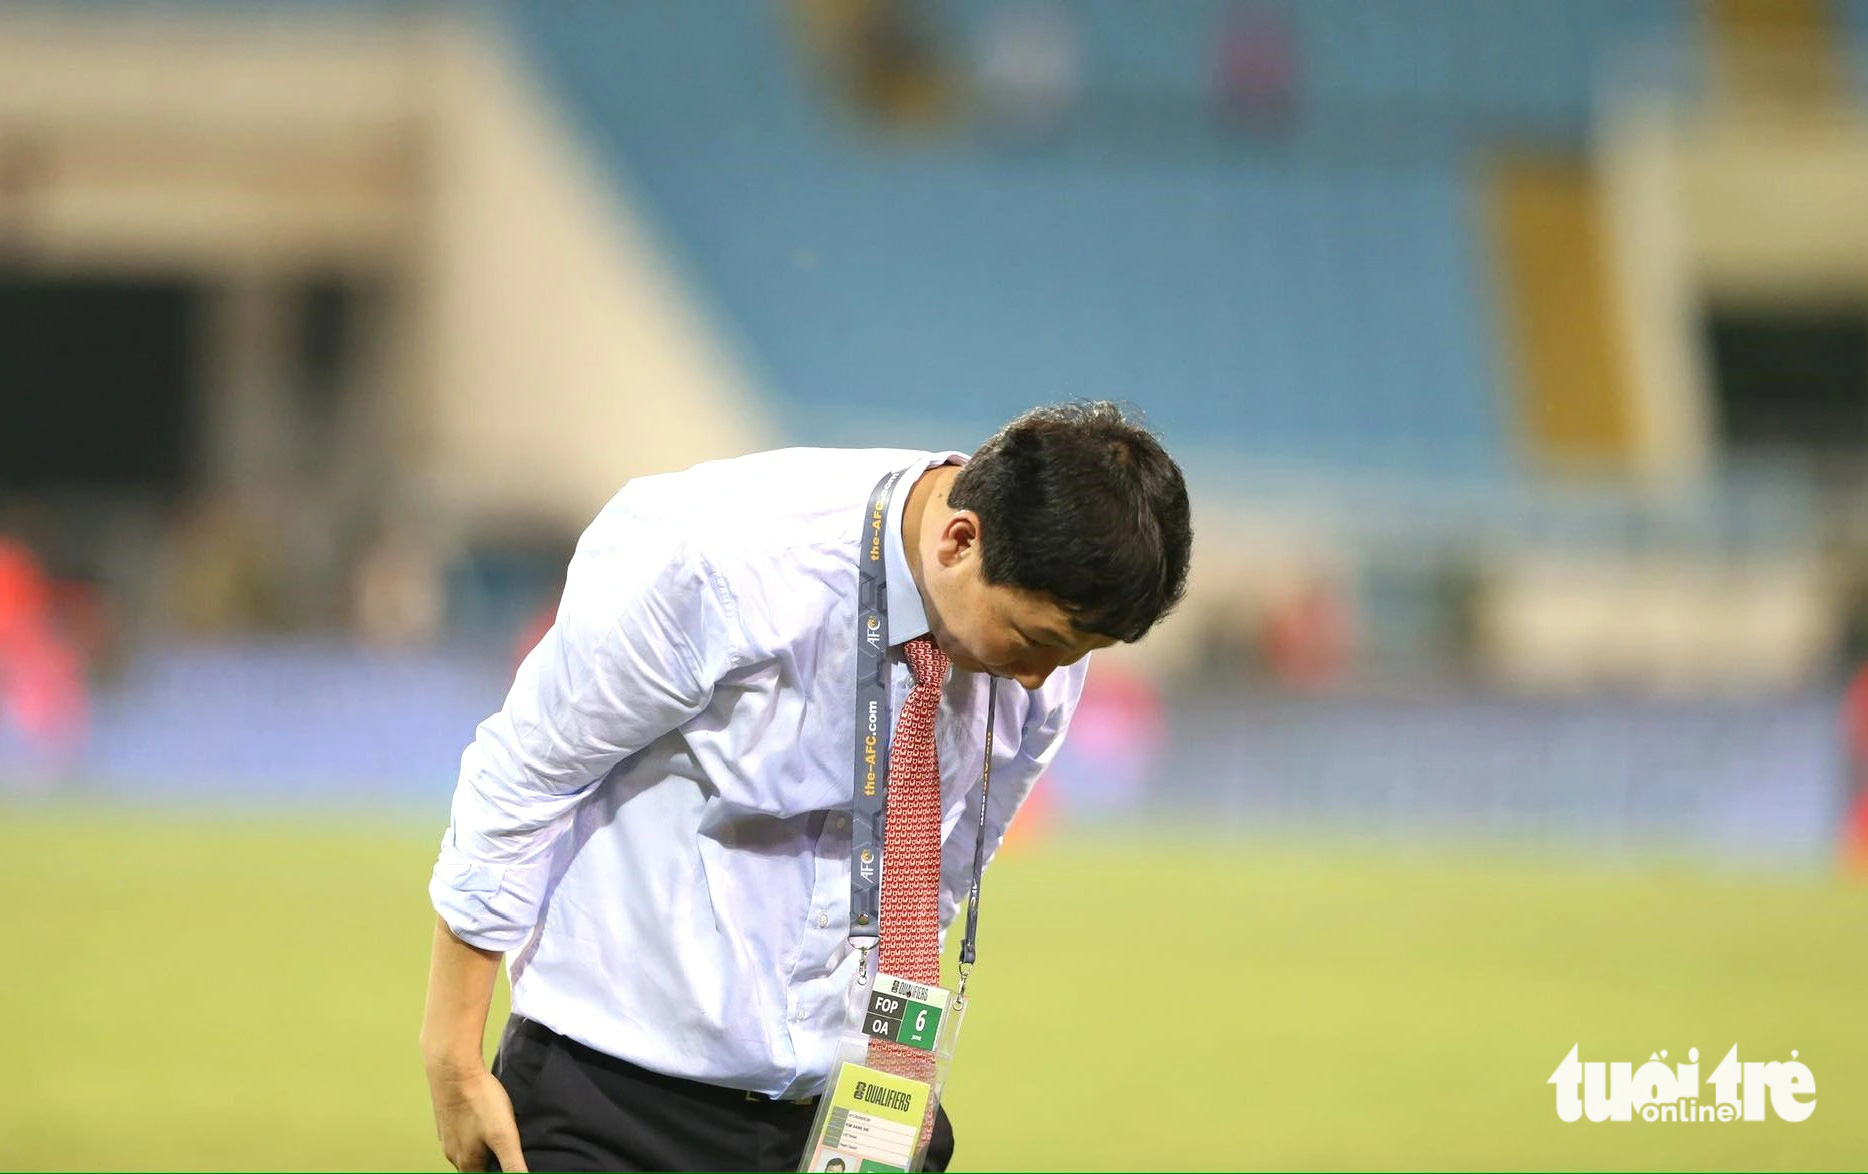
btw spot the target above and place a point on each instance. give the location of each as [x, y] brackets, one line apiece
[927, 661]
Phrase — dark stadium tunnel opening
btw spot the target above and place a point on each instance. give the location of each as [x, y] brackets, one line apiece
[101, 382]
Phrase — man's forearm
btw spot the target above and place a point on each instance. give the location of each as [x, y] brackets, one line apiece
[460, 991]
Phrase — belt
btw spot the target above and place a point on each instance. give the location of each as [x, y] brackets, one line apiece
[762, 1098]
[700, 1090]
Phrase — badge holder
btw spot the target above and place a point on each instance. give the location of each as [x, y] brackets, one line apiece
[878, 1113]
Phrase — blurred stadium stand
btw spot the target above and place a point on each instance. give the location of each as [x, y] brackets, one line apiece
[1518, 353]
[1314, 292]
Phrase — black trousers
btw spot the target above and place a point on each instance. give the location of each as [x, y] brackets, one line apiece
[579, 1109]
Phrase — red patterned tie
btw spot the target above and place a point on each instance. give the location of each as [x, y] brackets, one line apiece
[910, 946]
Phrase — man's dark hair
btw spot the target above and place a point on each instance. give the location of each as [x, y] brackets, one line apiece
[1082, 504]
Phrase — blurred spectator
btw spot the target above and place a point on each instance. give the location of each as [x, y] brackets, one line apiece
[1028, 71]
[222, 580]
[1255, 70]
[1115, 741]
[1855, 790]
[1308, 639]
[536, 627]
[1227, 648]
[89, 616]
[397, 599]
[43, 698]
[884, 55]
[505, 581]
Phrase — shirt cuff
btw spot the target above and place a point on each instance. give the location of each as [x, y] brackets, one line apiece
[477, 905]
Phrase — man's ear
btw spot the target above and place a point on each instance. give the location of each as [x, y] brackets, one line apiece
[959, 538]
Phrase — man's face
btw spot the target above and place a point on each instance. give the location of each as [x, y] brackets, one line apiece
[994, 628]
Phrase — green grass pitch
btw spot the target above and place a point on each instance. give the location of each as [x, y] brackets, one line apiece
[210, 994]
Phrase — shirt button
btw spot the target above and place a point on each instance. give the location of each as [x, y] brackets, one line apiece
[823, 920]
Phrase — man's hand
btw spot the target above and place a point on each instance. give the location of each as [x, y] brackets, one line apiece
[473, 1114]
[473, 1118]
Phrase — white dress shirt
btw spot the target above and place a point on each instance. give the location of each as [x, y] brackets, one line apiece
[655, 826]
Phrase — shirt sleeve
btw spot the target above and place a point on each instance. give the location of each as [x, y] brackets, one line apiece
[1046, 721]
[642, 634]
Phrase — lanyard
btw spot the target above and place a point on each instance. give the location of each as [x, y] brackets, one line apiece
[873, 731]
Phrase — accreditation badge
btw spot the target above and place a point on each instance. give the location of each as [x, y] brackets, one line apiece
[905, 1012]
[873, 1117]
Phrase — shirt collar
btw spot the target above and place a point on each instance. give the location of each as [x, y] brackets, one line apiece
[908, 617]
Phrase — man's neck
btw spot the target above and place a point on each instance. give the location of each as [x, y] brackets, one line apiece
[923, 513]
